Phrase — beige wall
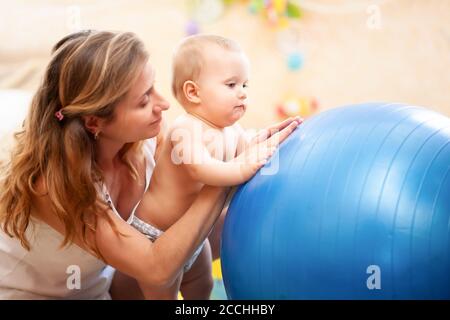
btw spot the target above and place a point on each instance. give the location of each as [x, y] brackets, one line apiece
[407, 60]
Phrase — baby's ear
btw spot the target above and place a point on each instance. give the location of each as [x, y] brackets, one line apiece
[191, 91]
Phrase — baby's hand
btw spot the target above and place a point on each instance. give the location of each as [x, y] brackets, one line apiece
[252, 159]
[273, 129]
[263, 146]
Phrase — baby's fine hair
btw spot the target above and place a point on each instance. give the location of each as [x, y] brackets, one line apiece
[188, 59]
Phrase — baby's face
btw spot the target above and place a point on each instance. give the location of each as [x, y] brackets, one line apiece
[223, 86]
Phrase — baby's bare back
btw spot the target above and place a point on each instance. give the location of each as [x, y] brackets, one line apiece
[170, 194]
[172, 190]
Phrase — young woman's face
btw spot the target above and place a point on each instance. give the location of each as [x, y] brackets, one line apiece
[138, 115]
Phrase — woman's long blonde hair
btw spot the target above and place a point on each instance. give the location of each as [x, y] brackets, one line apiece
[88, 74]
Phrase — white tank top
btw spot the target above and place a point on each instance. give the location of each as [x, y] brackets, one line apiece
[49, 272]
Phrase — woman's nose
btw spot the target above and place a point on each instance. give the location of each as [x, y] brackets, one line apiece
[161, 103]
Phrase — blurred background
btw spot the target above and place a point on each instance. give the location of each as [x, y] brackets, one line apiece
[306, 55]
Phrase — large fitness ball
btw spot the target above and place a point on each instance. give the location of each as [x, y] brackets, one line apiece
[358, 208]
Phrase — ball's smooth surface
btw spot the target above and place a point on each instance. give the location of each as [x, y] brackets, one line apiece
[354, 205]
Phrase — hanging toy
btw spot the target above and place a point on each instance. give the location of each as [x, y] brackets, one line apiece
[295, 61]
[192, 28]
[276, 12]
[297, 106]
[205, 11]
[289, 44]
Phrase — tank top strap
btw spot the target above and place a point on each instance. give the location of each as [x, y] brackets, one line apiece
[149, 149]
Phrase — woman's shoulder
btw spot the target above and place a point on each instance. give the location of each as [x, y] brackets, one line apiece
[41, 202]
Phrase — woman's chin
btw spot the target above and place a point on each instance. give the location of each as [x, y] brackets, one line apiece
[153, 131]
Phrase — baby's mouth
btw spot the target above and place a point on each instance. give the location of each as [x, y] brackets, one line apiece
[242, 106]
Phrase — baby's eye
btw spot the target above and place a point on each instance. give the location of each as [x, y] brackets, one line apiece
[245, 85]
[231, 85]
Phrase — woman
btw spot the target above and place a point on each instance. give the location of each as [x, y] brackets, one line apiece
[78, 171]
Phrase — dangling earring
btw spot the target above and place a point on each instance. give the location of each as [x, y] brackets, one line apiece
[96, 135]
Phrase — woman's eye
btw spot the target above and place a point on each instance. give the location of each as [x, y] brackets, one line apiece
[145, 101]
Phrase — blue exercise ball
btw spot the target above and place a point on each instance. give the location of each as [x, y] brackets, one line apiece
[354, 205]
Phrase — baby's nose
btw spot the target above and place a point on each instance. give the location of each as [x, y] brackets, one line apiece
[242, 94]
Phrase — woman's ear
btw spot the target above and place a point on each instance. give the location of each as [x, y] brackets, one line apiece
[191, 92]
[92, 123]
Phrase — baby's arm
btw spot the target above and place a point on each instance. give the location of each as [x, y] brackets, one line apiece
[244, 139]
[248, 139]
[202, 167]
[219, 173]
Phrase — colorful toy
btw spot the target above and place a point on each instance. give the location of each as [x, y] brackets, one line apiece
[276, 12]
[295, 61]
[192, 28]
[297, 106]
[205, 11]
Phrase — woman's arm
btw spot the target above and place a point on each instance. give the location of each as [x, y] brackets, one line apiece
[159, 263]
[131, 252]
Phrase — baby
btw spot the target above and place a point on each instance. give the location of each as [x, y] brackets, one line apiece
[205, 146]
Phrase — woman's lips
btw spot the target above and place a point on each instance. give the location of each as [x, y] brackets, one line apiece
[156, 121]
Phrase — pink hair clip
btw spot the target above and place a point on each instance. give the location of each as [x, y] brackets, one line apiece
[59, 115]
